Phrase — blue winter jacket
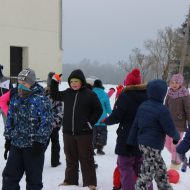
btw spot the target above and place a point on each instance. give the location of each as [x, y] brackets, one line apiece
[105, 102]
[184, 145]
[153, 120]
[29, 119]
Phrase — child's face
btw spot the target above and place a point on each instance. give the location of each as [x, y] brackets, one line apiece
[174, 85]
[75, 84]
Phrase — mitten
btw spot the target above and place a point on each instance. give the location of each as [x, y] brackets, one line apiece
[37, 149]
[7, 148]
[175, 141]
[57, 77]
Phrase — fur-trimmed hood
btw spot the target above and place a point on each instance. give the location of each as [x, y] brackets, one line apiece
[135, 87]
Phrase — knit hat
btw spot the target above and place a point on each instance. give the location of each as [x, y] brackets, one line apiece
[133, 78]
[98, 84]
[49, 78]
[178, 78]
[27, 75]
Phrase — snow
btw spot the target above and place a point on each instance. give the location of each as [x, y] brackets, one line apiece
[106, 163]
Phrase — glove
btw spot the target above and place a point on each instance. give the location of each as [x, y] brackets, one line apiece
[37, 149]
[182, 157]
[7, 148]
[175, 141]
[57, 77]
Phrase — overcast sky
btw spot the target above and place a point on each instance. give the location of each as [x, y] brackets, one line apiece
[107, 30]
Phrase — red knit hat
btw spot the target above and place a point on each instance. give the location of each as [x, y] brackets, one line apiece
[133, 77]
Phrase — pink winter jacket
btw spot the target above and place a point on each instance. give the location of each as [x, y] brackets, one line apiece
[4, 100]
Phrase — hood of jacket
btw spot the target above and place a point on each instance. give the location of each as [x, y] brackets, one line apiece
[157, 89]
[79, 75]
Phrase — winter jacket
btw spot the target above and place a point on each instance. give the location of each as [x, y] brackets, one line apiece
[180, 111]
[82, 109]
[184, 145]
[124, 113]
[29, 119]
[4, 102]
[56, 109]
[105, 102]
[5, 85]
[153, 120]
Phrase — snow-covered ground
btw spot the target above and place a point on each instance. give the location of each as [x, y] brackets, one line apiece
[54, 176]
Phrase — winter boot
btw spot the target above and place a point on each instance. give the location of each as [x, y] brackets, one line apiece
[100, 150]
[96, 165]
[116, 188]
[174, 165]
[92, 187]
[55, 165]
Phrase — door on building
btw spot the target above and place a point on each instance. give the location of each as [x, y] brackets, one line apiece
[16, 60]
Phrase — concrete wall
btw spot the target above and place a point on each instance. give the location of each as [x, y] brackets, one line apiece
[34, 25]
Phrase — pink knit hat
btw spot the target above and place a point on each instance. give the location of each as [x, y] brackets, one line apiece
[133, 78]
[178, 78]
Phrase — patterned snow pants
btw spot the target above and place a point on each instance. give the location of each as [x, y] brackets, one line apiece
[153, 167]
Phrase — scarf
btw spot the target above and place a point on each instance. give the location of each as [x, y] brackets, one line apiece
[181, 92]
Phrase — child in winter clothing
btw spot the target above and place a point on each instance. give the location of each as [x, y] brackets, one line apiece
[57, 111]
[82, 109]
[27, 131]
[100, 129]
[4, 88]
[152, 122]
[129, 157]
[178, 102]
[4, 101]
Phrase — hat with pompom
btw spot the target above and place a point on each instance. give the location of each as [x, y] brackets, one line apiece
[133, 78]
[178, 78]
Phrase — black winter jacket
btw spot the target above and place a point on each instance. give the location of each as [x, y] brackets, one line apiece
[82, 108]
[124, 113]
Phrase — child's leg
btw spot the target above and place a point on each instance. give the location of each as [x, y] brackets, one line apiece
[116, 178]
[175, 158]
[169, 143]
[94, 141]
[147, 170]
[161, 173]
[127, 172]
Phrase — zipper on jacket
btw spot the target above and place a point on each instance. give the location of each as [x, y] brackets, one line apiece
[73, 115]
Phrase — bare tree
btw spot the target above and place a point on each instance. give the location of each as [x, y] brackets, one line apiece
[162, 50]
[136, 59]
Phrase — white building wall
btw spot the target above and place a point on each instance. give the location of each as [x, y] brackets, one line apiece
[36, 25]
